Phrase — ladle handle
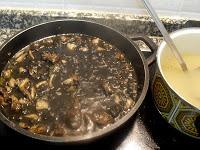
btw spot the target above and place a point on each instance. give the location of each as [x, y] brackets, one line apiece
[165, 34]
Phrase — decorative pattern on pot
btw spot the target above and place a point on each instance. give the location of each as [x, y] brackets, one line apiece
[174, 110]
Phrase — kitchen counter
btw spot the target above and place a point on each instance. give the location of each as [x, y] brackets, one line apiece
[146, 130]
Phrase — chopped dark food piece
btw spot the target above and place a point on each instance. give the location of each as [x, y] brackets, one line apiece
[50, 56]
[108, 90]
[58, 131]
[22, 70]
[12, 82]
[129, 103]
[113, 108]
[21, 58]
[7, 73]
[100, 49]
[42, 104]
[119, 56]
[67, 85]
[24, 125]
[24, 85]
[39, 129]
[71, 46]
[1, 99]
[15, 105]
[31, 54]
[101, 117]
[95, 41]
[73, 116]
[32, 116]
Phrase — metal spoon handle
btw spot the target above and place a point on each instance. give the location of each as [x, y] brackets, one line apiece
[165, 34]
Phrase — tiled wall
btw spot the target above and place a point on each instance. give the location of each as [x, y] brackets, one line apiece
[183, 8]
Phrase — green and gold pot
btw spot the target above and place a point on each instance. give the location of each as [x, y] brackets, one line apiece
[176, 110]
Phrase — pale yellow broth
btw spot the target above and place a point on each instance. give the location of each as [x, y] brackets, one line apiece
[186, 84]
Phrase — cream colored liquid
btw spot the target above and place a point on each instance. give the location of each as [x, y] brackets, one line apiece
[186, 84]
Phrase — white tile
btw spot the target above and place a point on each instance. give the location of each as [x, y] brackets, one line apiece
[191, 6]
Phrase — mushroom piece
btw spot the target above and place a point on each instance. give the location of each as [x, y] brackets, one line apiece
[41, 83]
[1, 99]
[72, 80]
[108, 90]
[50, 56]
[129, 103]
[7, 73]
[119, 56]
[58, 130]
[33, 92]
[51, 80]
[83, 49]
[21, 58]
[64, 39]
[22, 70]
[38, 128]
[12, 82]
[31, 54]
[71, 46]
[101, 117]
[23, 125]
[95, 41]
[15, 104]
[24, 85]
[42, 104]
[100, 49]
[32, 116]
[74, 116]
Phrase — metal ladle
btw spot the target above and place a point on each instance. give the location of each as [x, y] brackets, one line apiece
[165, 34]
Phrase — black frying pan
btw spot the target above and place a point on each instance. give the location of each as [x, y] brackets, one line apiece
[124, 44]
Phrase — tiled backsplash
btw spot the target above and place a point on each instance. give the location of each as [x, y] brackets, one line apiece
[182, 8]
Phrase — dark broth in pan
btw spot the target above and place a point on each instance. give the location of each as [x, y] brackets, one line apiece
[70, 84]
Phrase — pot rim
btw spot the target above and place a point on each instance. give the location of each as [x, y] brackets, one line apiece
[173, 35]
[93, 135]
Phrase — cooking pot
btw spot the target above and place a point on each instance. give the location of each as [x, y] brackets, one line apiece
[175, 109]
[127, 46]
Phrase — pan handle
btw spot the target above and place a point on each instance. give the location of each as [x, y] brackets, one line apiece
[151, 57]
